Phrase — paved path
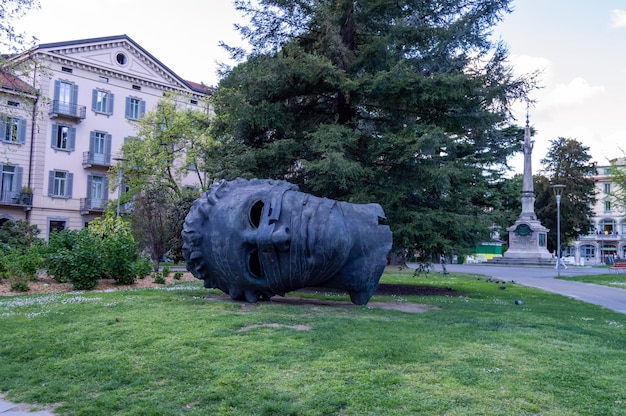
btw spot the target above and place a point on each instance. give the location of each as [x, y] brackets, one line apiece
[544, 278]
[12, 409]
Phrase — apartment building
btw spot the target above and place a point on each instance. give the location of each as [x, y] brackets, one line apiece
[64, 120]
[609, 236]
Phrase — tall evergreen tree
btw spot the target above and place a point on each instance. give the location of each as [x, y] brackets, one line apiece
[568, 163]
[404, 103]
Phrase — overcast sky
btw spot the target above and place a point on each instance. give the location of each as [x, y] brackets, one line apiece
[580, 45]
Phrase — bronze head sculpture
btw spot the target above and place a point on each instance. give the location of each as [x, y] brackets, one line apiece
[257, 238]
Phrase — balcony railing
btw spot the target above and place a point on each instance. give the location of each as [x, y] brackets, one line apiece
[88, 205]
[96, 159]
[16, 198]
[602, 237]
[61, 109]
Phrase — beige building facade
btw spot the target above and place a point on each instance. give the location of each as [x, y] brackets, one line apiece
[609, 236]
[65, 120]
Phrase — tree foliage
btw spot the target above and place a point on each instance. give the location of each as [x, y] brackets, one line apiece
[166, 148]
[618, 178]
[402, 103]
[10, 10]
[567, 163]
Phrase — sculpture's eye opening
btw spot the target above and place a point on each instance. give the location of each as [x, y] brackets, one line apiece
[254, 264]
[255, 213]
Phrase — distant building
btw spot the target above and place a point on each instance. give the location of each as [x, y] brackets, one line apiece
[608, 238]
[63, 122]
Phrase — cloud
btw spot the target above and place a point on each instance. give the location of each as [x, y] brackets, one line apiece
[576, 92]
[618, 18]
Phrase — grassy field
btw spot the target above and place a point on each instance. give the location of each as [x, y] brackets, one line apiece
[610, 279]
[174, 351]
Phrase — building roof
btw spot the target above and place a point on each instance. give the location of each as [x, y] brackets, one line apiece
[194, 86]
[11, 82]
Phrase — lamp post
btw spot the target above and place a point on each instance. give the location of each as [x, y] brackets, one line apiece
[558, 191]
[119, 184]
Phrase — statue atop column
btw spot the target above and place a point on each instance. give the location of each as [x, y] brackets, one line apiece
[527, 237]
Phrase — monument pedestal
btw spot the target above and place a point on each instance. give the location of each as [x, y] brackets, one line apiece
[528, 240]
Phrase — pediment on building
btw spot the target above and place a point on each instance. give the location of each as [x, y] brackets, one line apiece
[117, 56]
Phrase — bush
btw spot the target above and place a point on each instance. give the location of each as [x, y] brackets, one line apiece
[59, 257]
[142, 267]
[166, 270]
[158, 278]
[86, 261]
[178, 275]
[75, 256]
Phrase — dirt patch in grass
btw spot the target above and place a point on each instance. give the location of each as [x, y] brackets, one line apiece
[383, 290]
[46, 284]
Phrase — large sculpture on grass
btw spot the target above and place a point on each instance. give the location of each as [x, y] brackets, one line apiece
[259, 238]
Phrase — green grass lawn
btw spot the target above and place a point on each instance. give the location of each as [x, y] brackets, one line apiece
[611, 279]
[173, 351]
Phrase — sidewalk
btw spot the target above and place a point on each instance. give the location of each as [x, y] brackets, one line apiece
[544, 278]
[12, 409]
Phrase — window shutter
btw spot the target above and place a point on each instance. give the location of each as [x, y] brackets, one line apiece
[110, 109]
[127, 112]
[92, 142]
[57, 88]
[107, 148]
[69, 181]
[89, 184]
[19, 171]
[55, 131]
[3, 128]
[72, 144]
[21, 132]
[74, 94]
[51, 183]
[105, 188]
[94, 99]
[142, 108]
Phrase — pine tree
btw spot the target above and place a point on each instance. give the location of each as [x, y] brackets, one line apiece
[403, 103]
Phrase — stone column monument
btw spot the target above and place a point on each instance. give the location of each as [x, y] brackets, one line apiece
[527, 237]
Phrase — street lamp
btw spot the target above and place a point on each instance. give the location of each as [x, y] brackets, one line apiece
[558, 191]
[119, 184]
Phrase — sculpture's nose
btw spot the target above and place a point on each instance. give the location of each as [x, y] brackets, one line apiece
[281, 238]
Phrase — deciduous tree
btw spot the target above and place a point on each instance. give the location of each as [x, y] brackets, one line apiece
[568, 163]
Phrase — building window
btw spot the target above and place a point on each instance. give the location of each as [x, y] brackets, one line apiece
[13, 130]
[60, 184]
[97, 190]
[100, 147]
[66, 98]
[135, 108]
[121, 59]
[66, 69]
[587, 251]
[13, 103]
[63, 137]
[56, 226]
[10, 182]
[607, 206]
[607, 171]
[102, 102]
[607, 188]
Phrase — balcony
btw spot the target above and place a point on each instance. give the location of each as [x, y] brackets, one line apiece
[91, 205]
[18, 199]
[602, 237]
[68, 110]
[91, 159]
